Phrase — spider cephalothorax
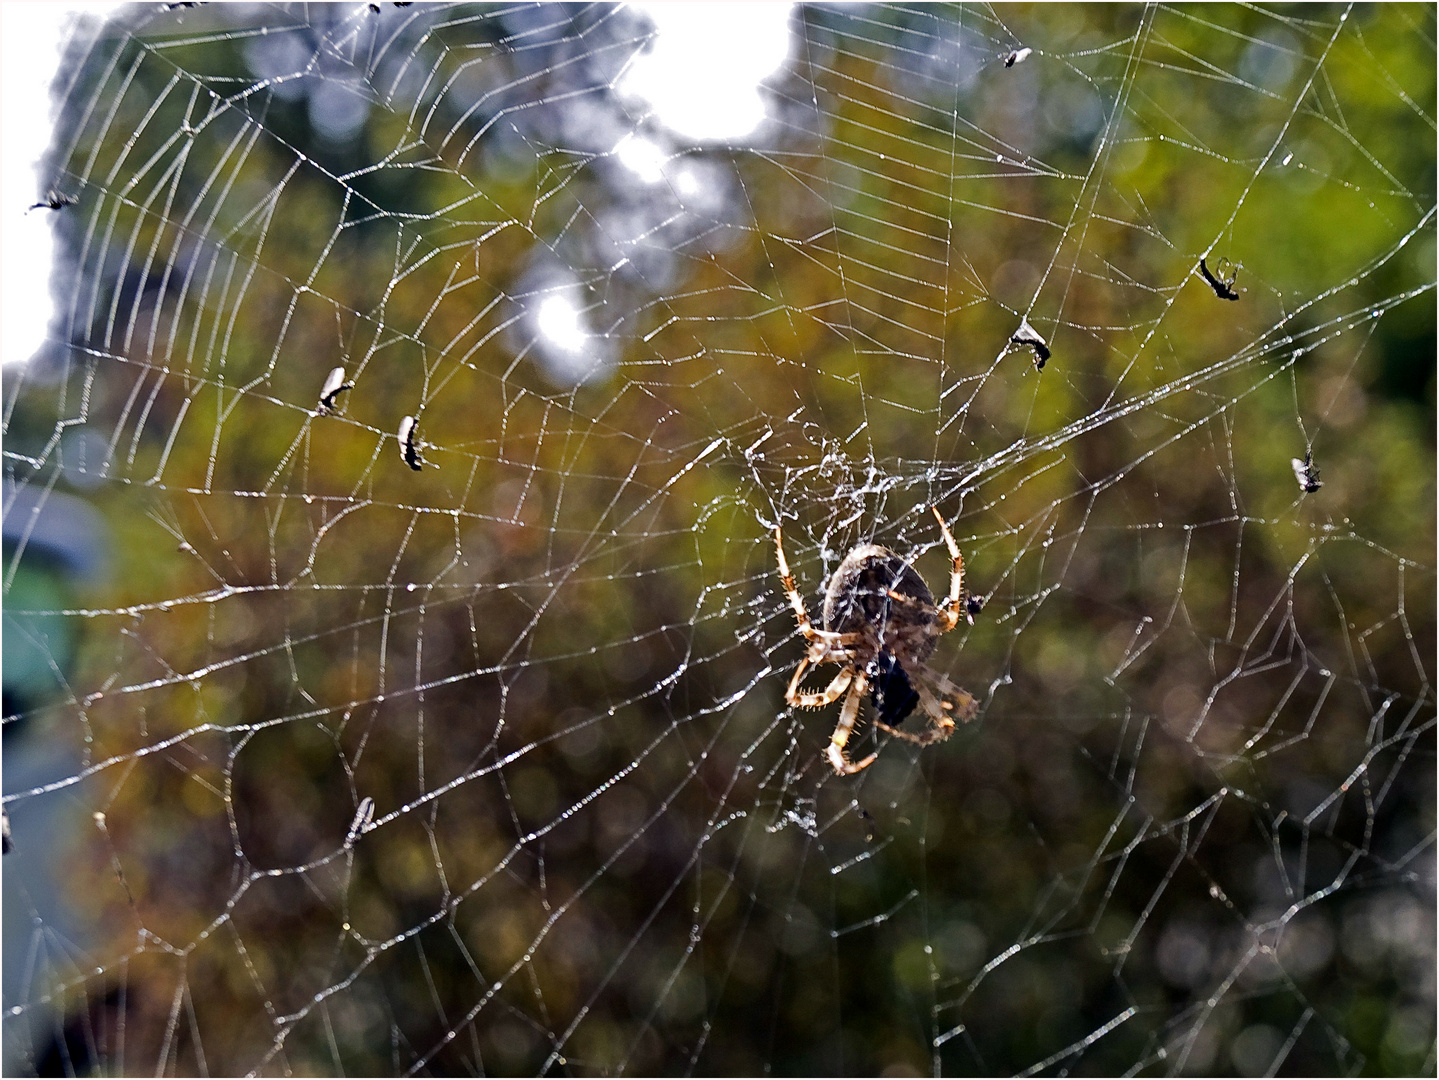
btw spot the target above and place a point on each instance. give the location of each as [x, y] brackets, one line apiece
[881, 624]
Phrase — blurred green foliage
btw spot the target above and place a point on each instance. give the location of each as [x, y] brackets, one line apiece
[556, 663]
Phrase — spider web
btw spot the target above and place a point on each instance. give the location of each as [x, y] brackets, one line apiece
[334, 766]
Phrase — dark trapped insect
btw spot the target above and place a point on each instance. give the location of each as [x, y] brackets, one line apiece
[410, 444]
[1222, 288]
[880, 626]
[893, 695]
[1019, 56]
[54, 200]
[1307, 473]
[1028, 336]
[335, 385]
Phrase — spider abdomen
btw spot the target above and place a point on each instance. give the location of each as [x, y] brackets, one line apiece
[877, 594]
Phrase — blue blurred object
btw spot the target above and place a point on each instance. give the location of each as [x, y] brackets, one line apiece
[53, 542]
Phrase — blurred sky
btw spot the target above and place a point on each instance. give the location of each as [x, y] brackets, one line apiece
[30, 37]
[702, 74]
[700, 77]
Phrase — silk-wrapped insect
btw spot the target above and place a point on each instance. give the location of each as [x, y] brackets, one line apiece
[410, 444]
[1223, 288]
[1307, 473]
[1028, 336]
[334, 386]
[54, 200]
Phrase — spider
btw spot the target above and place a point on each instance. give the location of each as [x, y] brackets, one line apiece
[880, 625]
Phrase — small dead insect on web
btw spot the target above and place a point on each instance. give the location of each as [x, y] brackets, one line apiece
[335, 385]
[1223, 288]
[880, 625]
[410, 444]
[54, 200]
[1029, 336]
[364, 814]
[1019, 56]
[5, 844]
[1307, 473]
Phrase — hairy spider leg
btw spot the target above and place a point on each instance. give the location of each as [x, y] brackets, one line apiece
[953, 605]
[958, 701]
[938, 731]
[815, 700]
[824, 644]
[787, 580]
[842, 731]
[943, 709]
[940, 725]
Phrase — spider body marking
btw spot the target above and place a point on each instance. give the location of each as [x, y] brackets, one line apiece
[880, 625]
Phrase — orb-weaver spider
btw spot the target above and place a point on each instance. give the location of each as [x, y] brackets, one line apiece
[880, 625]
